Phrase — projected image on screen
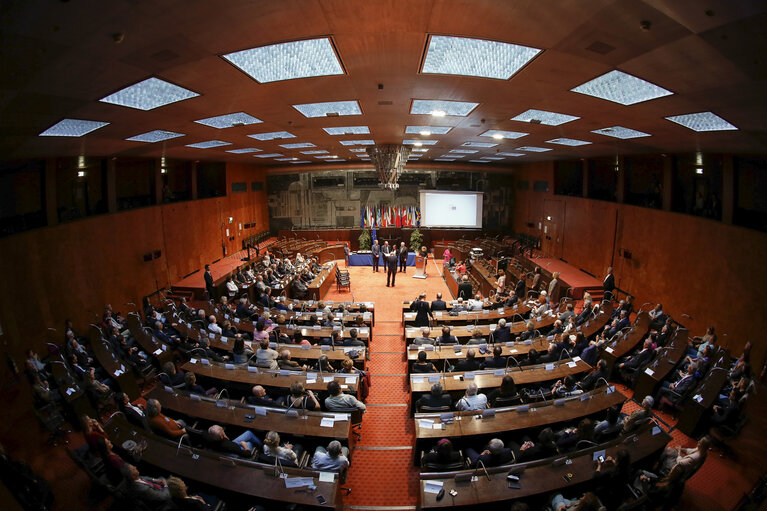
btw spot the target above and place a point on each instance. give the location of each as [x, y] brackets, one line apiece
[451, 209]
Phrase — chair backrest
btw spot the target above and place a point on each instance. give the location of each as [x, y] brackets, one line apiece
[434, 408]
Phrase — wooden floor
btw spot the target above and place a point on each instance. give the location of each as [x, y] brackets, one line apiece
[382, 475]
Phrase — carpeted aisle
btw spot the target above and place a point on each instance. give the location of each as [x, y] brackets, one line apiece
[382, 474]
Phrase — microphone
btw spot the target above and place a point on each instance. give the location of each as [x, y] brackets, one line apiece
[543, 396]
[482, 464]
[564, 350]
[515, 361]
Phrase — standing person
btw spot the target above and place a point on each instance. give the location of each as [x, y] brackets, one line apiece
[425, 254]
[446, 256]
[209, 286]
[386, 248]
[346, 254]
[422, 310]
[376, 251]
[500, 283]
[402, 257]
[390, 262]
[609, 284]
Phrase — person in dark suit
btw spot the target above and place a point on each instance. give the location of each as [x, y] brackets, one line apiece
[502, 334]
[680, 387]
[376, 251]
[465, 290]
[435, 399]
[469, 363]
[422, 311]
[209, 286]
[494, 455]
[446, 337]
[519, 289]
[346, 254]
[386, 249]
[609, 284]
[402, 254]
[438, 304]
[591, 380]
[629, 367]
[391, 263]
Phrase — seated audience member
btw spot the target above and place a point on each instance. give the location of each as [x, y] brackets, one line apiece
[633, 421]
[511, 300]
[502, 334]
[586, 311]
[477, 338]
[657, 317]
[174, 376]
[240, 353]
[435, 399]
[635, 363]
[569, 311]
[698, 343]
[565, 388]
[446, 337]
[300, 398]
[472, 400]
[333, 459]
[438, 304]
[353, 340]
[244, 445]
[422, 365]
[441, 455]
[612, 476]
[475, 304]
[286, 362]
[496, 361]
[459, 306]
[541, 306]
[266, 357]
[286, 452]
[741, 368]
[469, 363]
[494, 454]
[531, 359]
[337, 400]
[506, 394]
[590, 353]
[182, 500]
[161, 424]
[134, 412]
[674, 392]
[611, 423]
[543, 447]
[100, 391]
[688, 460]
[323, 365]
[568, 438]
[589, 502]
[43, 392]
[147, 490]
[193, 387]
[231, 287]
[213, 325]
[424, 338]
[618, 324]
[529, 333]
[260, 398]
[592, 380]
[243, 310]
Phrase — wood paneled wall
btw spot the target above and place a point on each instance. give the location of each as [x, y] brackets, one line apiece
[712, 271]
[71, 270]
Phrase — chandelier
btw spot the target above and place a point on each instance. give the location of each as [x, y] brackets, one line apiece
[389, 161]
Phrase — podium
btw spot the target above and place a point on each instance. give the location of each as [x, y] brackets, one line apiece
[420, 267]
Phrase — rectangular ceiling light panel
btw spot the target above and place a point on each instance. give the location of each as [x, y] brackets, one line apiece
[475, 57]
[492, 158]
[430, 106]
[478, 144]
[533, 149]
[621, 132]
[357, 142]
[149, 94]
[331, 107]
[229, 120]
[155, 136]
[275, 135]
[72, 128]
[422, 142]
[318, 151]
[244, 150]
[479, 161]
[208, 144]
[444, 159]
[503, 134]
[300, 145]
[510, 154]
[348, 130]
[269, 155]
[432, 130]
[544, 117]
[567, 141]
[288, 61]
[703, 121]
[621, 88]
[463, 151]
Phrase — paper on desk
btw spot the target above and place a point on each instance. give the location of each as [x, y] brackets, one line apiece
[327, 379]
[609, 349]
[341, 416]
[298, 482]
[70, 391]
[576, 359]
[432, 486]
[425, 423]
[571, 364]
[157, 351]
[327, 477]
[456, 377]
[192, 360]
[327, 422]
[418, 379]
[351, 380]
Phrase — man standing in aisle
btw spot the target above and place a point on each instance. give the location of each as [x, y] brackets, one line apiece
[609, 284]
[209, 286]
[390, 262]
[376, 250]
[402, 257]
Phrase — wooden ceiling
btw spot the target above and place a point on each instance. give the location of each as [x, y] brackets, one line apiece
[60, 57]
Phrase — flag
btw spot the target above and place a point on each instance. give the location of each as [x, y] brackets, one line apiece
[362, 218]
[417, 217]
[373, 236]
[397, 217]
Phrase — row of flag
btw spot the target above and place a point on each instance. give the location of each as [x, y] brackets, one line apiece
[390, 216]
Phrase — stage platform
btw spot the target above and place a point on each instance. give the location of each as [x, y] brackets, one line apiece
[578, 280]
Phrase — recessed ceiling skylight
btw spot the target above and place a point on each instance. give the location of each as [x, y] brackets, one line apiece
[567, 141]
[503, 134]
[357, 142]
[544, 117]
[72, 128]
[479, 161]
[301, 161]
[208, 144]
[478, 144]
[621, 88]
[420, 150]
[287, 61]
[275, 135]
[454, 155]
[492, 158]
[269, 155]
[149, 94]
[332, 107]
[510, 154]
[463, 151]
[348, 130]
[229, 120]
[419, 142]
[433, 130]
[475, 57]
[331, 156]
[299, 145]
[533, 149]
[703, 121]
[244, 150]
[621, 132]
[285, 159]
[155, 136]
[444, 159]
[358, 150]
[427, 106]
[318, 151]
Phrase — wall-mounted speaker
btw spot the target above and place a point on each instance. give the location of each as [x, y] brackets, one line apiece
[157, 254]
